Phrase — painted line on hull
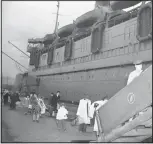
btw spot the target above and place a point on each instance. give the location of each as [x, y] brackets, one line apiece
[106, 67]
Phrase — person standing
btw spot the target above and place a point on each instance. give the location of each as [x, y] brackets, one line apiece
[55, 100]
[83, 113]
[93, 109]
[13, 101]
[50, 99]
[138, 70]
[18, 96]
[61, 117]
[58, 98]
[28, 105]
[50, 104]
[35, 107]
[5, 97]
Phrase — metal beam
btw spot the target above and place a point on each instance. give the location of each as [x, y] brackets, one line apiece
[14, 60]
[18, 49]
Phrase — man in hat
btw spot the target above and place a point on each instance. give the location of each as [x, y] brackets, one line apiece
[138, 70]
[55, 100]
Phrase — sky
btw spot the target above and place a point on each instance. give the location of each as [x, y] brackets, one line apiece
[29, 19]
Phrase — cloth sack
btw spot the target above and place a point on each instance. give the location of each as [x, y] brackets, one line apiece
[77, 121]
[74, 122]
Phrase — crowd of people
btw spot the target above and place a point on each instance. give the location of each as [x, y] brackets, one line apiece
[10, 98]
[37, 107]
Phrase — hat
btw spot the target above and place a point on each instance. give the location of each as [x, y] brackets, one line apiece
[62, 104]
[137, 62]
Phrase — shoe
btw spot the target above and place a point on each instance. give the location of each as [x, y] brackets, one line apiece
[37, 121]
[33, 120]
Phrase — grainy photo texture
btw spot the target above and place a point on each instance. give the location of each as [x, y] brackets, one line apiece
[76, 71]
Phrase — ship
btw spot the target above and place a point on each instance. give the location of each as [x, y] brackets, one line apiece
[94, 56]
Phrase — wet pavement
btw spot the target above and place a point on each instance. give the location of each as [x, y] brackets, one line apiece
[17, 127]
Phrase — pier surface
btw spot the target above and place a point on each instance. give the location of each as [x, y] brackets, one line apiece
[17, 127]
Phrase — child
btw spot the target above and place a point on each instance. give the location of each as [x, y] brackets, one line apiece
[35, 107]
[61, 116]
[27, 104]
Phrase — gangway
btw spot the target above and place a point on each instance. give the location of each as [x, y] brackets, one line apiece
[127, 116]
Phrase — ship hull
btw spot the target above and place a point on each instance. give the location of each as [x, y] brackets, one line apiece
[96, 83]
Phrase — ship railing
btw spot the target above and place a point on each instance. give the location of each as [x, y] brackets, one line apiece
[140, 126]
[88, 58]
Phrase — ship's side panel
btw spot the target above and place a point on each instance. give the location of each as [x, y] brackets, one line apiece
[59, 55]
[82, 47]
[120, 35]
[43, 59]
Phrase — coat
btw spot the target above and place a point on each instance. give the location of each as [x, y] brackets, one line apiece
[133, 75]
[55, 100]
[83, 110]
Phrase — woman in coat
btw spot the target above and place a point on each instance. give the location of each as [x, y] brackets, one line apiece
[35, 107]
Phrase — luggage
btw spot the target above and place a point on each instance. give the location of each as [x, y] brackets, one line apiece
[77, 121]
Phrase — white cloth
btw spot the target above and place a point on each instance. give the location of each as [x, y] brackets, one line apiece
[92, 109]
[62, 113]
[82, 110]
[101, 103]
[133, 75]
[26, 102]
[42, 106]
[30, 106]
